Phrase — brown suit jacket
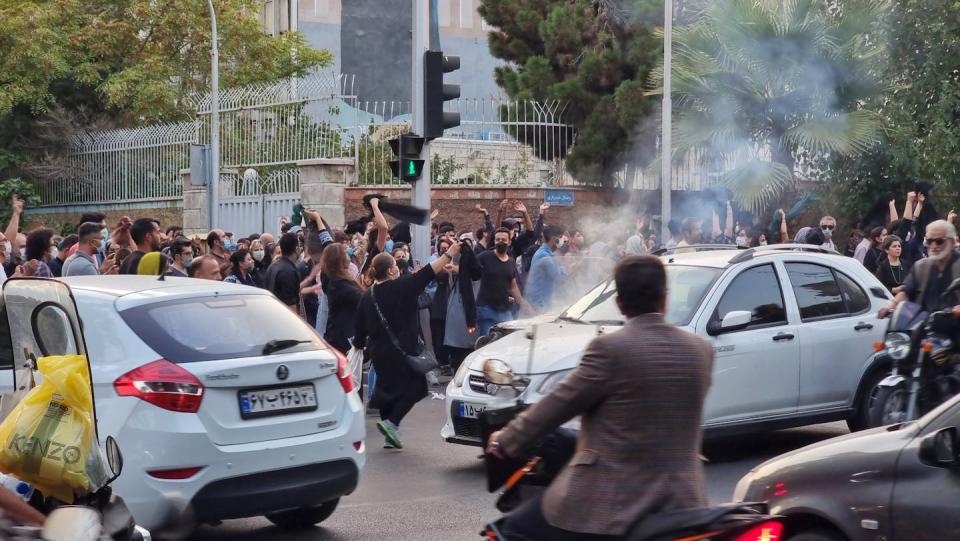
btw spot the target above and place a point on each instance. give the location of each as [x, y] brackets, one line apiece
[640, 393]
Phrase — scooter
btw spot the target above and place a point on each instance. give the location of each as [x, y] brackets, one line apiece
[519, 480]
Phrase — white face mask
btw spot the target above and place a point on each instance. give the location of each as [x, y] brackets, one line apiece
[54, 252]
[7, 248]
[23, 253]
[258, 255]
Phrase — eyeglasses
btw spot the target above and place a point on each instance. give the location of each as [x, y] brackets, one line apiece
[828, 227]
[935, 242]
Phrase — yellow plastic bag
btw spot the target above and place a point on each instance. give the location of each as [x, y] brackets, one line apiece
[49, 439]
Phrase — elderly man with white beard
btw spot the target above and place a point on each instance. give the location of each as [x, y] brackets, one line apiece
[931, 276]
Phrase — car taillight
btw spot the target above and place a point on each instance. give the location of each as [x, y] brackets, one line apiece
[162, 384]
[765, 531]
[343, 369]
[181, 473]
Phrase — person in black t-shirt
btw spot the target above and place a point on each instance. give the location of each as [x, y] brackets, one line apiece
[498, 283]
[146, 235]
[282, 278]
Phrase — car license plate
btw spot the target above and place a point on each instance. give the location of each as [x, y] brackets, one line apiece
[277, 401]
[471, 411]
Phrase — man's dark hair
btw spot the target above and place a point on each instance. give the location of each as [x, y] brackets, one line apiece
[286, 227]
[641, 285]
[288, 244]
[141, 228]
[178, 245]
[213, 237]
[68, 242]
[95, 217]
[480, 233]
[173, 229]
[501, 230]
[551, 232]
[815, 237]
[446, 227]
[674, 226]
[88, 230]
[340, 237]
[38, 242]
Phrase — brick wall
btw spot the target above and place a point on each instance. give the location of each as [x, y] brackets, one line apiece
[592, 208]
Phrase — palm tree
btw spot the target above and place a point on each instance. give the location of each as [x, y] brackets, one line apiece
[759, 84]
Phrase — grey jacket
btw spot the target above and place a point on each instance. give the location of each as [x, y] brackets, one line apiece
[80, 264]
[640, 393]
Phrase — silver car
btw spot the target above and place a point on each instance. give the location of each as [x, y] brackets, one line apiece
[793, 328]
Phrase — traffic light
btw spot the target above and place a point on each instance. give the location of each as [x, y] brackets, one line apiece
[408, 165]
[435, 92]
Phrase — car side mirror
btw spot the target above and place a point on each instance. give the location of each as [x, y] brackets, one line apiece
[940, 448]
[732, 321]
[114, 457]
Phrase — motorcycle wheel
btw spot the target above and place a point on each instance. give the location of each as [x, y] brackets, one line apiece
[888, 405]
[304, 518]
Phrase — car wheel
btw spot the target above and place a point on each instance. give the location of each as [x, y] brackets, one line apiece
[860, 420]
[888, 405]
[304, 518]
[816, 535]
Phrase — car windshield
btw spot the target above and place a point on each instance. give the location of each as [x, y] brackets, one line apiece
[686, 286]
[215, 328]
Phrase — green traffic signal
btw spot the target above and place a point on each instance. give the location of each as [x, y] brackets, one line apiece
[411, 168]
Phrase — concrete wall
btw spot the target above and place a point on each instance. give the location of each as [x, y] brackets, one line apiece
[67, 218]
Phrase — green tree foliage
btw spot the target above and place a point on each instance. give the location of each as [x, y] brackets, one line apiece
[23, 189]
[136, 58]
[764, 83]
[594, 55]
[921, 112]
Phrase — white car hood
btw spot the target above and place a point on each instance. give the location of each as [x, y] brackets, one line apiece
[559, 346]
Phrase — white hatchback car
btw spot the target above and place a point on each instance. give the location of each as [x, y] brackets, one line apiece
[224, 402]
[793, 328]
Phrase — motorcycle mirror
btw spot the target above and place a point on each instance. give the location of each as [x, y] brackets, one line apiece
[114, 456]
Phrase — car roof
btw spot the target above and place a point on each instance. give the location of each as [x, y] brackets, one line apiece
[725, 257]
[153, 287]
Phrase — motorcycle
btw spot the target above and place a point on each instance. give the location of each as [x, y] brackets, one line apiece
[521, 479]
[925, 360]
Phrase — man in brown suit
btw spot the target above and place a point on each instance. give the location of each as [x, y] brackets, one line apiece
[640, 393]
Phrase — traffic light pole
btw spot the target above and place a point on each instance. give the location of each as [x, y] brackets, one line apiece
[421, 188]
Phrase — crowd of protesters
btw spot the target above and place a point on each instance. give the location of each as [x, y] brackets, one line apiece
[359, 286]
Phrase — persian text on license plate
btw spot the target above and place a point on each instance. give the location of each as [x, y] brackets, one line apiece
[277, 400]
[471, 411]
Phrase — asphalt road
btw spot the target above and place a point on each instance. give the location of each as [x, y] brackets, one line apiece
[432, 490]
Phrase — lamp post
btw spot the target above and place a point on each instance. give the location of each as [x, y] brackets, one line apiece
[214, 191]
[666, 162]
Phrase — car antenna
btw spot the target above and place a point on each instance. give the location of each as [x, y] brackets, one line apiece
[532, 336]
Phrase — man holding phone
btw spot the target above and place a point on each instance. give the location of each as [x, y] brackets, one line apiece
[84, 262]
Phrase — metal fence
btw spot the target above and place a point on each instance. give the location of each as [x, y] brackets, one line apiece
[498, 142]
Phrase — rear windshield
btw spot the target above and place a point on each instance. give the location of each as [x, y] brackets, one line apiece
[215, 328]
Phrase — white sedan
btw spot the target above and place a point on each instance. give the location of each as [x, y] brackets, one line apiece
[224, 402]
[793, 329]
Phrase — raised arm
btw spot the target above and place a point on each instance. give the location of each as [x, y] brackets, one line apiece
[728, 227]
[522, 209]
[893, 209]
[14, 225]
[714, 225]
[908, 206]
[784, 234]
[380, 223]
[501, 212]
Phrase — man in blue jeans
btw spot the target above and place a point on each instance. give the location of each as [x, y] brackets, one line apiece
[498, 283]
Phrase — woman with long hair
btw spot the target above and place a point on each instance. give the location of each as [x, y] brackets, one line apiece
[240, 271]
[343, 293]
[387, 323]
[37, 252]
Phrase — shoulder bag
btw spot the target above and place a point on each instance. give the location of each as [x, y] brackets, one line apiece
[421, 363]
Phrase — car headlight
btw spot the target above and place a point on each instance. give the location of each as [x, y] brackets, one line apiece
[743, 486]
[552, 381]
[497, 372]
[897, 345]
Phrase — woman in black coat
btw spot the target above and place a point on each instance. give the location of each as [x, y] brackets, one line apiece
[343, 293]
[398, 386]
[893, 270]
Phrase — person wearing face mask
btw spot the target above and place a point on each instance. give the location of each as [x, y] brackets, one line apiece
[59, 254]
[181, 255]
[84, 261]
[9, 264]
[240, 272]
[402, 256]
[387, 321]
[260, 261]
[498, 284]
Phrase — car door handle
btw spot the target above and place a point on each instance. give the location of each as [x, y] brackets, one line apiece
[863, 326]
[783, 336]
